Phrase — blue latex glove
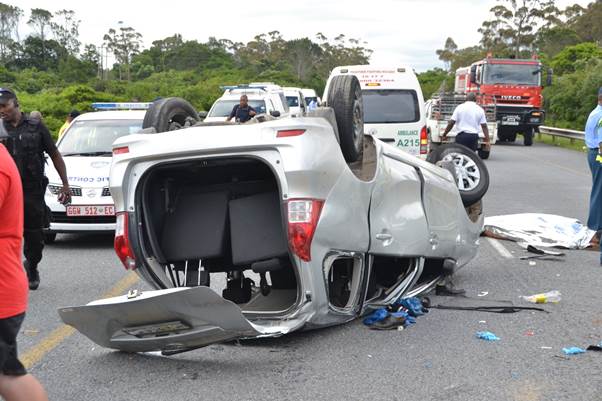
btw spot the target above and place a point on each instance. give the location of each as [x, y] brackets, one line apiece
[376, 316]
[573, 351]
[413, 305]
[487, 336]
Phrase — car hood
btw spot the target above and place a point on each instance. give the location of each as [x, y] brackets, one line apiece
[83, 171]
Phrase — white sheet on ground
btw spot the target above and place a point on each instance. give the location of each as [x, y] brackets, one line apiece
[537, 229]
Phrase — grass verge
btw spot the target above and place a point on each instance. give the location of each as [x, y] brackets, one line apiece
[561, 142]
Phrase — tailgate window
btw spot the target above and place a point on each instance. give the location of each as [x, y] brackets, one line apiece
[390, 106]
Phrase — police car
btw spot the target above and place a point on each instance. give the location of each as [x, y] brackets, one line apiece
[86, 149]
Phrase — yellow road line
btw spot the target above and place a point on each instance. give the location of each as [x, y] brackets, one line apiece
[57, 336]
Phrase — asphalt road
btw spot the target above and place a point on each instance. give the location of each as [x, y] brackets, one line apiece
[439, 358]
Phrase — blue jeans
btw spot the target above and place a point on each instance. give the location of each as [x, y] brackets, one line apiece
[594, 221]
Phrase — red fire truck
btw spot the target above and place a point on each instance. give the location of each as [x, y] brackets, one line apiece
[515, 85]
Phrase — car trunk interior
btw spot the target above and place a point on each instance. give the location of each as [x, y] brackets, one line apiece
[219, 223]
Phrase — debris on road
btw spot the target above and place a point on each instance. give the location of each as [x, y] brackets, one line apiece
[531, 263]
[595, 348]
[396, 316]
[540, 230]
[487, 336]
[543, 298]
[483, 294]
[573, 351]
[529, 333]
[544, 347]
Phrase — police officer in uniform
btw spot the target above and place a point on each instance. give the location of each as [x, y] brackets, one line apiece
[28, 140]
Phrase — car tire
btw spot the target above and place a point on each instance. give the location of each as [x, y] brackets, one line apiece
[345, 97]
[170, 114]
[483, 154]
[528, 135]
[472, 175]
[49, 238]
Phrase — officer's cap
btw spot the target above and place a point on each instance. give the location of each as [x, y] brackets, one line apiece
[6, 95]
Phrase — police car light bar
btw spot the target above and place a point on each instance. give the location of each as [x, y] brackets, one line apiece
[121, 106]
[249, 88]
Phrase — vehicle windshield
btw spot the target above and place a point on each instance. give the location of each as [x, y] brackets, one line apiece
[223, 108]
[95, 137]
[514, 74]
[390, 106]
[293, 101]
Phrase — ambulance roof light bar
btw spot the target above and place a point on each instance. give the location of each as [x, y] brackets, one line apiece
[120, 106]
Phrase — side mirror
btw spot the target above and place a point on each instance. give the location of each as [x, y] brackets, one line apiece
[473, 74]
[549, 77]
[275, 113]
[203, 115]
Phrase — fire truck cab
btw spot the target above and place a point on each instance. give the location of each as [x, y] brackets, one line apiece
[515, 86]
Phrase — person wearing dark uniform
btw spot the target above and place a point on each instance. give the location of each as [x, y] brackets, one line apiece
[593, 141]
[28, 140]
[242, 112]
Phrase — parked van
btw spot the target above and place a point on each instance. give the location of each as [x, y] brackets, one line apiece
[295, 100]
[393, 105]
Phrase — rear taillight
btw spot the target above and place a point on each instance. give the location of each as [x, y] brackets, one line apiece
[303, 216]
[122, 242]
[289, 132]
[424, 141]
[121, 150]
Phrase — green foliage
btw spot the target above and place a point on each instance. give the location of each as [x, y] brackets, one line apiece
[573, 58]
[433, 80]
[573, 96]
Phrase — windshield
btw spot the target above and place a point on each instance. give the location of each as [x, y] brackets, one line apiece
[390, 106]
[293, 101]
[525, 74]
[223, 108]
[96, 137]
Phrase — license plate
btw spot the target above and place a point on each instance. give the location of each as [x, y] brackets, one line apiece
[510, 120]
[81, 210]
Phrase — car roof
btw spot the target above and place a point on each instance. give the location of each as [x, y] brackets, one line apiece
[250, 96]
[112, 115]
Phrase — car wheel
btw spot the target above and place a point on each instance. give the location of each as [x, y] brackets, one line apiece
[170, 114]
[528, 135]
[49, 238]
[471, 172]
[345, 97]
[484, 154]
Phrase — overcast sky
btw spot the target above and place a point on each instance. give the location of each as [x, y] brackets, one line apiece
[399, 31]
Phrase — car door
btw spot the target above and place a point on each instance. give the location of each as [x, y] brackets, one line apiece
[173, 320]
[398, 226]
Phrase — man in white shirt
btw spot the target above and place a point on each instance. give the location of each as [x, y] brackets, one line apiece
[470, 119]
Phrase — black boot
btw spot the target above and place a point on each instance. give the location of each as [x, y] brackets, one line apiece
[449, 290]
[33, 276]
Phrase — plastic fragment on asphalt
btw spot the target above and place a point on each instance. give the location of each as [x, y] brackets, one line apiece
[487, 336]
[595, 348]
[543, 298]
[544, 347]
[483, 294]
[530, 333]
[573, 351]
[532, 263]
[482, 321]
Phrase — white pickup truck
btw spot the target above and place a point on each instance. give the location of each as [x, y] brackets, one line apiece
[439, 110]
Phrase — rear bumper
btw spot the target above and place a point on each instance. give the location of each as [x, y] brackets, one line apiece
[61, 223]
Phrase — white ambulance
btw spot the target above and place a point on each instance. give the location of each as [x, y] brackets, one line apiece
[393, 105]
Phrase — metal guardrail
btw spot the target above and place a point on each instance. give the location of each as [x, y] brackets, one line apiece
[571, 134]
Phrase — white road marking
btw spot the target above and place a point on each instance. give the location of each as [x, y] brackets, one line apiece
[501, 249]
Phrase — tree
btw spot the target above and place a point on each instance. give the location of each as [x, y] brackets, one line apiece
[447, 53]
[551, 41]
[124, 45]
[575, 57]
[513, 30]
[66, 30]
[41, 54]
[40, 20]
[303, 56]
[9, 34]
[587, 24]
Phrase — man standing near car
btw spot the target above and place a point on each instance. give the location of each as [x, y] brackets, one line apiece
[242, 112]
[593, 141]
[470, 119]
[15, 383]
[28, 140]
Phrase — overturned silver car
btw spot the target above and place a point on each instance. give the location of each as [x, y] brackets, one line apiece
[310, 222]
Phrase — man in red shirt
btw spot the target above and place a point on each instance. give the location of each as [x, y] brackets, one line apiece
[15, 383]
